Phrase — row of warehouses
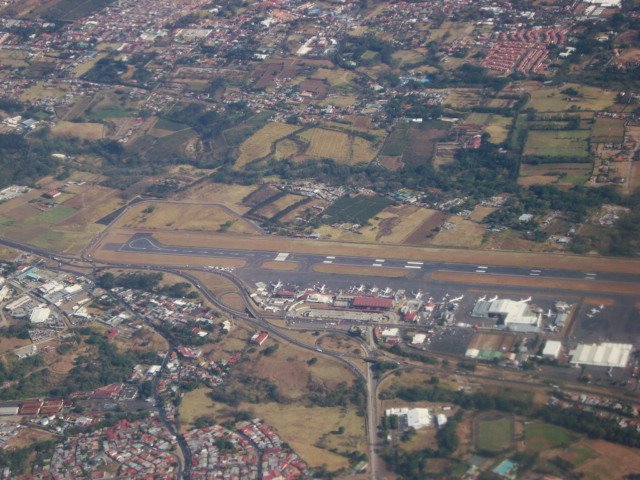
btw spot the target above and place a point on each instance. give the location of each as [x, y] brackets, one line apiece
[610, 355]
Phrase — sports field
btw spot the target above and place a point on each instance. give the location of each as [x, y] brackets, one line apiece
[493, 432]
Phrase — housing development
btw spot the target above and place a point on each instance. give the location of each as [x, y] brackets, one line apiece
[287, 239]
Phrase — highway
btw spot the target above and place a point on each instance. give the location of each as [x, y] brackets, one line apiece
[145, 243]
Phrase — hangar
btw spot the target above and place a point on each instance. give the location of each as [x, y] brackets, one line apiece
[603, 355]
[513, 315]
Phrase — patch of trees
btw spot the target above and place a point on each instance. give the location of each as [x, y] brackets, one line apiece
[135, 281]
[24, 162]
[340, 396]
[20, 368]
[589, 424]
[104, 365]
[247, 388]
[413, 465]
[16, 459]
[352, 49]
[413, 355]
[476, 401]
[106, 70]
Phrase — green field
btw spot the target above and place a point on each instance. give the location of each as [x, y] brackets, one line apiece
[54, 215]
[494, 434]
[395, 143]
[166, 124]
[542, 436]
[111, 111]
[561, 143]
[358, 209]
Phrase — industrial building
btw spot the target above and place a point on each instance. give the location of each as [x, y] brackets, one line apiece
[40, 315]
[603, 355]
[512, 315]
[416, 418]
[552, 349]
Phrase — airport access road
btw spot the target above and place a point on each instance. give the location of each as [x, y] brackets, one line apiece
[145, 243]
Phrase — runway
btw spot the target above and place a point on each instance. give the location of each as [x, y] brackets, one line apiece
[145, 243]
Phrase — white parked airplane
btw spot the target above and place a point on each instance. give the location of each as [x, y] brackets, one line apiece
[525, 300]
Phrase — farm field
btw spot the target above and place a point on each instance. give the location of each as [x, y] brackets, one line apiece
[465, 234]
[279, 204]
[259, 144]
[607, 130]
[558, 173]
[338, 146]
[230, 195]
[560, 143]
[393, 225]
[550, 99]
[358, 209]
[185, 216]
[85, 131]
[495, 125]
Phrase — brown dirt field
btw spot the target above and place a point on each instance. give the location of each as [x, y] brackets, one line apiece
[261, 194]
[492, 341]
[230, 195]
[222, 288]
[533, 282]
[480, 213]
[391, 163]
[30, 436]
[271, 209]
[283, 266]
[615, 461]
[296, 245]
[317, 202]
[185, 216]
[357, 270]
[64, 364]
[634, 178]
[233, 300]
[420, 235]
[339, 343]
[85, 131]
[466, 234]
[8, 344]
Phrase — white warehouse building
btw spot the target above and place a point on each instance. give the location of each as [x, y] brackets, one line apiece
[415, 417]
[603, 355]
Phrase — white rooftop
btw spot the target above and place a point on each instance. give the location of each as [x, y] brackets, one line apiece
[552, 348]
[603, 355]
[40, 314]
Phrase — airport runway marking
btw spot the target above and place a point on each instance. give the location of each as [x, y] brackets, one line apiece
[415, 263]
[379, 260]
[281, 257]
[376, 265]
[413, 266]
[590, 276]
[481, 269]
[535, 273]
[327, 261]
